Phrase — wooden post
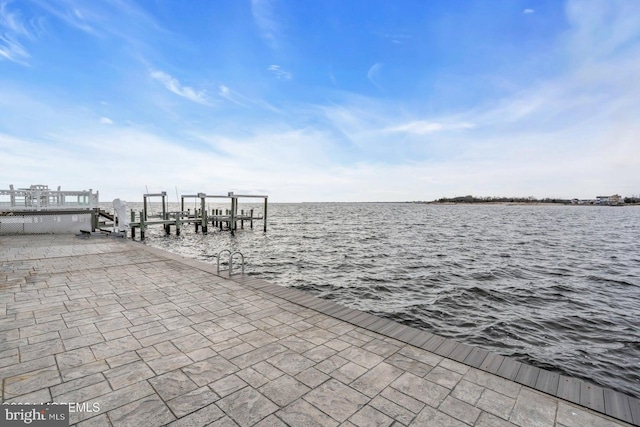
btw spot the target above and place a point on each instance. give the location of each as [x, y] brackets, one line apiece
[242, 219]
[164, 206]
[264, 215]
[178, 224]
[252, 218]
[143, 216]
[133, 229]
[144, 207]
[232, 223]
[204, 222]
[203, 212]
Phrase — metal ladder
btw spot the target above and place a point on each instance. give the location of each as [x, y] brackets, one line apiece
[231, 255]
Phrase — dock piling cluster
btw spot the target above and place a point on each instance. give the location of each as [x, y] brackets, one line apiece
[201, 218]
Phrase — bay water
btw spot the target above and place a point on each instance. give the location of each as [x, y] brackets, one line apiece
[553, 286]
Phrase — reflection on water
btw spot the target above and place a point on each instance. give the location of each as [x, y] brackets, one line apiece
[554, 286]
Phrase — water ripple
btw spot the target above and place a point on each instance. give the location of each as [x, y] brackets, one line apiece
[554, 286]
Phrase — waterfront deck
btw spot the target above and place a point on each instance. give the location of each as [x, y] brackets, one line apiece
[157, 339]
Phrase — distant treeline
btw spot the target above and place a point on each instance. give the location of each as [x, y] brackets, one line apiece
[473, 199]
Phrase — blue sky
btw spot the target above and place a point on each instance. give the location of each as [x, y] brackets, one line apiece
[332, 100]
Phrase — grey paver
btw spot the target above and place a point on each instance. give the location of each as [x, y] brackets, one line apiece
[444, 377]
[227, 385]
[534, 409]
[375, 380]
[425, 391]
[393, 410]
[150, 336]
[150, 409]
[369, 416]
[128, 374]
[496, 404]
[284, 390]
[247, 406]
[460, 410]
[172, 384]
[193, 401]
[209, 370]
[302, 413]
[336, 399]
[432, 417]
[467, 392]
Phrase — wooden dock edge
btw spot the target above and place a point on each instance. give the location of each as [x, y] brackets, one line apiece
[579, 392]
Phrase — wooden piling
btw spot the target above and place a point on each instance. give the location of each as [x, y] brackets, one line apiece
[203, 212]
[143, 217]
[264, 215]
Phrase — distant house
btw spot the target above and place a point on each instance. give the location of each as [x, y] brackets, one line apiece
[616, 199]
[609, 200]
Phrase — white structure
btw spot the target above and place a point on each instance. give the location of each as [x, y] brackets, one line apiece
[120, 208]
[38, 209]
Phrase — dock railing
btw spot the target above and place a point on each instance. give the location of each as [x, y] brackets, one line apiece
[41, 198]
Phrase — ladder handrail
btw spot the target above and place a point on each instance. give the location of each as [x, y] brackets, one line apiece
[220, 256]
[231, 262]
[231, 255]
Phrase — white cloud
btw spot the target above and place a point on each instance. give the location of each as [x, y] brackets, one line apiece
[106, 121]
[265, 18]
[528, 11]
[373, 73]
[233, 96]
[279, 72]
[422, 127]
[12, 29]
[172, 84]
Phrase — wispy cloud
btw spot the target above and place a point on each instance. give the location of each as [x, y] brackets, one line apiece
[397, 38]
[233, 96]
[172, 84]
[265, 18]
[373, 73]
[106, 121]
[244, 101]
[425, 127]
[279, 72]
[12, 29]
[528, 11]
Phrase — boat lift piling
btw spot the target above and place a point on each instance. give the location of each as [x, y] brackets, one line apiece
[200, 217]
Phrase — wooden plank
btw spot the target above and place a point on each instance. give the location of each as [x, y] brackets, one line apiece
[342, 313]
[320, 305]
[476, 357]
[379, 324]
[492, 363]
[509, 369]
[406, 334]
[569, 389]
[617, 405]
[446, 348]
[370, 319]
[333, 309]
[592, 396]
[357, 320]
[548, 382]
[528, 375]
[391, 327]
[461, 352]
[421, 339]
[635, 410]
[434, 342]
[351, 316]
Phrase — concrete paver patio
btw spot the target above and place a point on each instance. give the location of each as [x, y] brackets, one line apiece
[131, 335]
